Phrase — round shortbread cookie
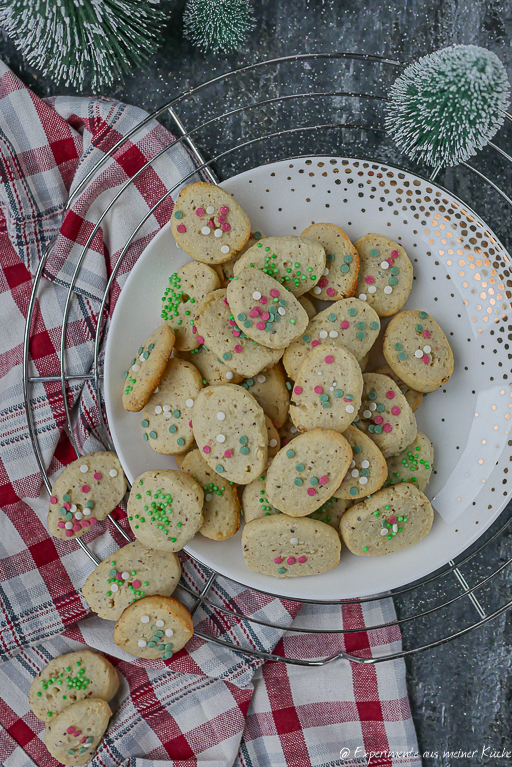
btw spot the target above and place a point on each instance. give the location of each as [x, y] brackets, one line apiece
[350, 323]
[221, 508]
[415, 464]
[132, 573]
[219, 330]
[391, 520]
[225, 270]
[413, 397]
[187, 287]
[339, 279]
[70, 678]
[230, 431]
[165, 509]
[368, 469]
[85, 492]
[270, 391]
[417, 350]
[296, 262]
[308, 305]
[274, 440]
[385, 274]
[385, 415]
[212, 369]
[155, 627]
[327, 390]
[73, 736]
[147, 368]
[208, 224]
[305, 473]
[268, 313]
[286, 548]
[166, 418]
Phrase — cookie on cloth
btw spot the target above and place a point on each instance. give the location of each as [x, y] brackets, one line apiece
[391, 520]
[339, 279]
[385, 415]
[167, 416]
[385, 274]
[225, 270]
[187, 287]
[212, 369]
[165, 509]
[415, 464]
[155, 627]
[296, 262]
[306, 472]
[146, 368]
[270, 391]
[417, 350]
[132, 573]
[231, 433]
[285, 548]
[327, 390]
[75, 734]
[208, 224]
[412, 396]
[222, 334]
[69, 678]
[368, 469]
[85, 492]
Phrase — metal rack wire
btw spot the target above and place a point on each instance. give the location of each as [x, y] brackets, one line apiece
[339, 104]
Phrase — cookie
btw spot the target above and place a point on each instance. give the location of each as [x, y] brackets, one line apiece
[350, 323]
[368, 469]
[155, 627]
[147, 368]
[327, 390]
[132, 573]
[208, 224]
[286, 548]
[73, 736]
[417, 351]
[219, 330]
[308, 305]
[331, 512]
[385, 415]
[363, 362]
[212, 369]
[187, 287]
[413, 397]
[167, 417]
[287, 432]
[296, 262]
[274, 441]
[415, 464]
[165, 509]
[230, 431]
[391, 520]
[270, 391]
[268, 313]
[70, 678]
[385, 274]
[339, 279]
[85, 492]
[225, 270]
[305, 473]
[221, 508]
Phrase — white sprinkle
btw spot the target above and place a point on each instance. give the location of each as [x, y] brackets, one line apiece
[273, 442]
[209, 496]
[218, 233]
[353, 463]
[224, 249]
[159, 623]
[156, 390]
[189, 403]
[114, 587]
[142, 642]
[326, 272]
[168, 413]
[331, 388]
[384, 265]
[384, 531]
[334, 384]
[365, 464]
[294, 541]
[350, 408]
[229, 375]
[68, 525]
[84, 468]
[316, 290]
[388, 289]
[320, 373]
[169, 632]
[362, 296]
[221, 416]
[293, 429]
[354, 473]
[158, 409]
[395, 528]
[427, 349]
[142, 357]
[86, 512]
[372, 289]
[125, 576]
[144, 619]
[333, 334]
[363, 480]
[418, 353]
[256, 295]
[73, 508]
[281, 311]
[356, 419]
[373, 406]
[205, 230]
[78, 514]
[166, 408]
[367, 414]
[323, 334]
[221, 438]
[210, 209]
[262, 378]
[113, 473]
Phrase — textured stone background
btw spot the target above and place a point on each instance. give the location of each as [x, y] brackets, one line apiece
[460, 692]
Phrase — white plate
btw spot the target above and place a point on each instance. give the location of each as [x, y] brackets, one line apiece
[460, 275]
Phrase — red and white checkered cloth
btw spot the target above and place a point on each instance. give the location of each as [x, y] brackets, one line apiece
[207, 705]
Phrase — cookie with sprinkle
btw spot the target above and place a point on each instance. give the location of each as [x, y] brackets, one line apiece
[154, 628]
[412, 396]
[385, 274]
[269, 389]
[186, 288]
[415, 464]
[385, 415]
[368, 469]
[212, 369]
[146, 368]
[225, 270]
[339, 279]
[73, 736]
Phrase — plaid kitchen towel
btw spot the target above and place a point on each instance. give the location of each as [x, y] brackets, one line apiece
[207, 705]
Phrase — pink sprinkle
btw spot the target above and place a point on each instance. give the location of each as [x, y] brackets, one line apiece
[78, 733]
[345, 324]
[228, 454]
[181, 228]
[60, 524]
[426, 333]
[263, 300]
[200, 212]
[298, 390]
[394, 254]
[136, 584]
[207, 449]
[232, 323]
[69, 533]
[76, 527]
[255, 312]
[85, 488]
[425, 359]
[265, 316]
[70, 729]
[369, 279]
[236, 333]
[119, 576]
[314, 343]
[194, 329]
[53, 499]
[330, 291]
[261, 326]
[84, 522]
[390, 261]
[224, 210]
[346, 399]
[387, 428]
[390, 394]
[329, 359]
[83, 740]
[322, 283]
[239, 349]
[378, 419]
[67, 506]
[190, 424]
[311, 491]
[226, 301]
[221, 218]
[319, 389]
[290, 561]
[274, 293]
[395, 410]
[324, 480]
[200, 340]
[392, 520]
[211, 224]
[93, 520]
[278, 560]
[98, 475]
[226, 227]
[302, 559]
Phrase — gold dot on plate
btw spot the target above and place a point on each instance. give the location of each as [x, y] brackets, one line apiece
[480, 461]
[484, 442]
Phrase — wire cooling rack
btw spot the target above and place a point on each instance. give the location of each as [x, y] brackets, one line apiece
[325, 104]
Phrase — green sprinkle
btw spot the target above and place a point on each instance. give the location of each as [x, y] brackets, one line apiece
[419, 328]
[374, 325]
[345, 268]
[178, 214]
[173, 429]
[153, 434]
[244, 450]
[306, 338]
[176, 413]
[226, 356]
[423, 315]
[329, 257]
[297, 481]
[392, 280]
[347, 259]
[281, 570]
[219, 468]
[398, 346]
[338, 393]
[243, 440]
[290, 453]
[372, 395]
[402, 356]
[144, 423]
[313, 481]
[374, 252]
[332, 317]
[180, 441]
[361, 334]
[299, 467]
[66, 497]
[352, 311]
